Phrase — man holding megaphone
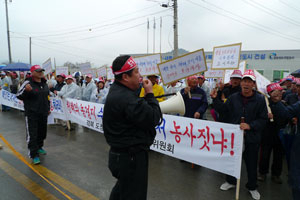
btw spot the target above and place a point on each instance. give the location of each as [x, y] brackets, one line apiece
[129, 128]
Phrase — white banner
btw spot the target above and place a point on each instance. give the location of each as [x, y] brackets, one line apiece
[228, 72]
[214, 145]
[211, 73]
[47, 66]
[110, 75]
[261, 82]
[183, 66]
[226, 57]
[217, 146]
[9, 99]
[62, 70]
[101, 72]
[148, 64]
[85, 68]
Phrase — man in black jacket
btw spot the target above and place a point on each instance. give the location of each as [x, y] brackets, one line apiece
[129, 128]
[60, 78]
[35, 94]
[247, 108]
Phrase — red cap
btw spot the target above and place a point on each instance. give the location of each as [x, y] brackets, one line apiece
[192, 77]
[36, 68]
[236, 74]
[297, 81]
[89, 75]
[62, 75]
[201, 76]
[69, 77]
[101, 80]
[249, 74]
[273, 86]
[129, 65]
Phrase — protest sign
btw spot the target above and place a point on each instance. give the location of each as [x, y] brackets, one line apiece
[214, 145]
[261, 82]
[94, 73]
[62, 70]
[211, 73]
[182, 66]
[47, 66]
[101, 72]
[226, 57]
[148, 64]
[217, 146]
[85, 68]
[228, 72]
[110, 75]
[9, 99]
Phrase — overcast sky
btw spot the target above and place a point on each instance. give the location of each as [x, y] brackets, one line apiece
[98, 30]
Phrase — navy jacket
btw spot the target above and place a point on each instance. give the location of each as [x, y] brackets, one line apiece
[253, 109]
[37, 100]
[198, 102]
[288, 113]
[291, 98]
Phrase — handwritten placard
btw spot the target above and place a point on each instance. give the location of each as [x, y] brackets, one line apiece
[85, 68]
[226, 57]
[148, 64]
[183, 66]
[261, 82]
[228, 72]
[211, 73]
[47, 66]
[110, 75]
[101, 71]
[62, 70]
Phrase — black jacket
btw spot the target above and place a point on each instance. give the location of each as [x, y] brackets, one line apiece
[57, 87]
[291, 98]
[128, 120]
[253, 109]
[37, 100]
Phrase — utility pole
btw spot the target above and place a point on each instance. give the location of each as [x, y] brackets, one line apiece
[30, 50]
[8, 37]
[175, 29]
[154, 27]
[148, 27]
[160, 34]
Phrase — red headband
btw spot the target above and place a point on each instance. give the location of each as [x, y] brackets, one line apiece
[129, 65]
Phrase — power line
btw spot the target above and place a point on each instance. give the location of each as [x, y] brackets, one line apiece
[290, 6]
[97, 36]
[62, 30]
[271, 12]
[99, 27]
[256, 26]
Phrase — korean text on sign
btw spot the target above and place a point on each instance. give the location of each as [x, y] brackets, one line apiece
[226, 57]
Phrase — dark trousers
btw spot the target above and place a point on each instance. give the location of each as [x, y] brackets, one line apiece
[131, 172]
[36, 132]
[296, 194]
[250, 156]
[266, 150]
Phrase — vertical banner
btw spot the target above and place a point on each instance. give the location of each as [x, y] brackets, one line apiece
[109, 75]
[228, 72]
[261, 82]
[101, 72]
[148, 64]
[182, 66]
[62, 70]
[85, 68]
[211, 73]
[226, 57]
[47, 66]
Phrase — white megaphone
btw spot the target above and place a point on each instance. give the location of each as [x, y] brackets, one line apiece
[174, 105]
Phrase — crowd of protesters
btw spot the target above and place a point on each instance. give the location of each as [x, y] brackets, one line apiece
[236, 102]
